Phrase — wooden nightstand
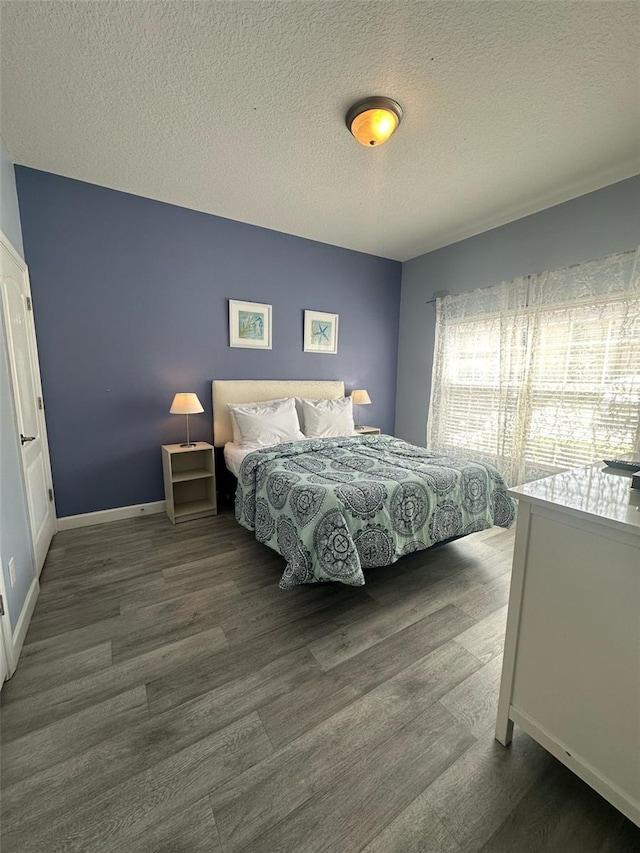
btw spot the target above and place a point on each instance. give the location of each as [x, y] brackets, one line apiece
[189, 481]
[366, 430]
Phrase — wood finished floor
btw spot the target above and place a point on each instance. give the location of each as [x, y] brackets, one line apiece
[170, 697]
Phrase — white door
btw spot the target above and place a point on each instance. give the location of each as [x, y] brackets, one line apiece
[27, 394]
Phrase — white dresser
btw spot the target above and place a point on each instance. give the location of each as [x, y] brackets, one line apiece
[571, 670]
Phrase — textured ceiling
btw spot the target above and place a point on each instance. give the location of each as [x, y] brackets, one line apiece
[237, 108]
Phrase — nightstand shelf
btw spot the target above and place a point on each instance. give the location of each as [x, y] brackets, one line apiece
[193, 509]
[195, 474]
[368, 430]
[189, 481]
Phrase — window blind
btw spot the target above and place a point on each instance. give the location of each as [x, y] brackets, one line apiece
[543, 373]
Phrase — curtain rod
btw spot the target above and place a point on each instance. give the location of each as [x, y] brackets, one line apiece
[439, 294]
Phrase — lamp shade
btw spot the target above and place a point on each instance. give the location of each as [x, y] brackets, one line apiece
[360, 397]
[186, 404]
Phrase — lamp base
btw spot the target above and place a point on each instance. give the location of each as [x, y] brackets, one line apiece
[188, 444]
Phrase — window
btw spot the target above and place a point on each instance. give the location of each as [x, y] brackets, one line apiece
[542, 373]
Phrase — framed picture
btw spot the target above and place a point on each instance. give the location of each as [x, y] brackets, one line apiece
[320, 332]
[249, 324]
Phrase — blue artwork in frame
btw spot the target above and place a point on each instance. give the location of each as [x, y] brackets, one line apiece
[320, 332]
[249, 324]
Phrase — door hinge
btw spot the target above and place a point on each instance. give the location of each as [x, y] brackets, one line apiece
[29, 308]
[50, 494]
[40, 402]
[1, 606]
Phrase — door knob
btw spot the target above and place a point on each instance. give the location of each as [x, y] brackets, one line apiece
[25, 438]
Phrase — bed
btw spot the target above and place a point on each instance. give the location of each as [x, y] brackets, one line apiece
[334, 507]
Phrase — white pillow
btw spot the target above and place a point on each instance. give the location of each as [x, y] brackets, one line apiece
[249, 409]
[265, 424]
[327, 418]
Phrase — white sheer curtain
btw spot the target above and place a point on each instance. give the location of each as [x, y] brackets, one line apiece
[542, 373]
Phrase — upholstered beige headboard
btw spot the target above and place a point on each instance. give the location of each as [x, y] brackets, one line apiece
[225, 391]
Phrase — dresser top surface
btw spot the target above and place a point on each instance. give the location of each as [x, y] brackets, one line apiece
[594, 491]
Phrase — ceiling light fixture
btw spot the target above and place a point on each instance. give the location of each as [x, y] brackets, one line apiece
[373, 120]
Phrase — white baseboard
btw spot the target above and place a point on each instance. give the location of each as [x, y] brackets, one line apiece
[86, 519]
[20, 631]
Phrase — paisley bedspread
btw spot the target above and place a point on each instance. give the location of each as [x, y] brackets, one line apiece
[335, 506]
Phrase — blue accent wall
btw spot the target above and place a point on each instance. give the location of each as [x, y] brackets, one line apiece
[131, 305]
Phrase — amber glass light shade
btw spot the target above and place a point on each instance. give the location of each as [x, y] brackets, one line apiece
[373, 120]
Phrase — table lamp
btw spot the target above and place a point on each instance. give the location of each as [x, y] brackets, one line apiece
[360, 397]
[186, 404]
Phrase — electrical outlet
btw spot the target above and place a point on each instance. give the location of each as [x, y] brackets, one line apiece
[12, 572]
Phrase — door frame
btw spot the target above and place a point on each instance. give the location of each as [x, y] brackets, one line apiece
[33, 344]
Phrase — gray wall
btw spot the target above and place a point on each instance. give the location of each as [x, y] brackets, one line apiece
[15, 540]
[583, 229]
